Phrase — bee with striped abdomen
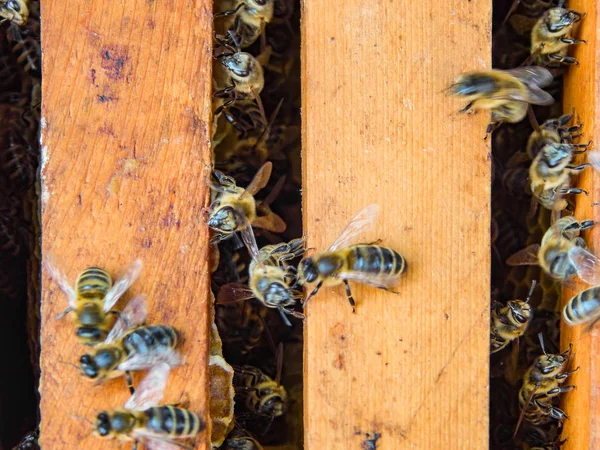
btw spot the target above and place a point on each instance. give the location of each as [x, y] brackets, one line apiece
[510, 322]
[131, 346]
[156, 427]
[261, 395]
[583, 308]
[364, 263]
[93, 298]
[240, 440]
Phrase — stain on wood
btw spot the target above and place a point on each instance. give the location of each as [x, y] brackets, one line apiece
[124, 175]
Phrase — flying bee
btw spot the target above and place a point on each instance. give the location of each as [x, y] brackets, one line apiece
[510, 322]
[364, 263]
[235, 209]
[551, 37]
[271, 279]
[562, 254]
[15, 11]
[93, 298]
[245, 19]
[583, 308]
[131, 346]
[541, 384]
[240, 440]
[507, 93]
[140, 420]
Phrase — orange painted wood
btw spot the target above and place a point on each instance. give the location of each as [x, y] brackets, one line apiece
[377, 127]
[581, 92]
[126, 160]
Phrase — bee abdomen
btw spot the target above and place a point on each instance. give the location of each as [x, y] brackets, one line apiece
[583, 307]
[172, 421]
[93, 282]
[376, 260]
[145, 339]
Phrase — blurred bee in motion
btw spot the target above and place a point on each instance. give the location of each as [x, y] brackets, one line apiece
[507, 93]
[131, 346]
[562, 254]
[156, 427]
[240, 440]
[541, 385]
[234, 209]
[15, 11]
[244, 19]
[583, 308]
[510, 322]
[271, 279]
[552, 35]
[364, 263]
[93, 298]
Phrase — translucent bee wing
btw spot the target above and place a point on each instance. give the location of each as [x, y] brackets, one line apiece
[536, 75]
[61, 279]
[586, 264]
[130, 274]
[134, 314]
[151, 389]
[261, 178]
[594, 159]
[538, 96]
[155, 443]
[168, 356]
[250, 241]
[360, 223]
[532, 95]
[526, 257]
[382, 280]
[232, 293]
[271, 222]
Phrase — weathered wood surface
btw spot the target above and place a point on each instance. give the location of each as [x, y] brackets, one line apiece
[378, 127]
[126, 157]
[581, 92]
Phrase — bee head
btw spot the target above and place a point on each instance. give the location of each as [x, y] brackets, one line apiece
[557, 154]
[557, 19]
[474, 84]
[559, 263]
[520, 311]
[239, 64]
[276, 294]
[103, 425]
[91, 335]
[224, 220]
[272, 405]
[307, 271]
[92, 365]
[15, 11]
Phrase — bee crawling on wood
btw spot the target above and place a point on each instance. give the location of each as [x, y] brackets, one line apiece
[364, 263]
[551, 37]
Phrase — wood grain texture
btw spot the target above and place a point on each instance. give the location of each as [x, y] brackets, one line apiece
[378, 127]
[581, 92]
[126, 160]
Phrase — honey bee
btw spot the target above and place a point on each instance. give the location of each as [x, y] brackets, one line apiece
[131, 346]
[245, 19]
[26, 48]
[510, 322]
[140, 420]
[17, 160]
[234, 209]
[583, 308]
[93, 298]
[551, 37]
[15, 11]
[507, 93]
[364, 263]
[541, 384]
[29, 442]
[240, 440]
[271, 279]
[562, 253]
[554, 131]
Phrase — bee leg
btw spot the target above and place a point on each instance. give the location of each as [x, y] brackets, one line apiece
[565, 375]
[493, 126]
[579, 167]
[129, 382]
[349, 296]
[64, 313]
[378, 241]
[466, 108]
[571, 191]
[563, 59]
[557, 391]
[586, 224]
[572, 41]
[135, 445]
[314, 292]
[584, 146]
[229, 12]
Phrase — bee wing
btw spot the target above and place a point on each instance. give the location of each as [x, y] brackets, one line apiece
[130, 274]
[232, 293]
[151, 389]
[168, 356]
[526, 257]
[61, 279]
[134, 314]
[261, 178]
[532, 75]
[360, 223]
[587, 265]
[271, 222]
[250, 241]
[384, 280]
[152, 442]
[594, 159]
[532, 95]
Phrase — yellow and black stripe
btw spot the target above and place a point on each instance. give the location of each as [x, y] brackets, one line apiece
[148, 338]
[93, 283]
[376, 260]
[173, 422]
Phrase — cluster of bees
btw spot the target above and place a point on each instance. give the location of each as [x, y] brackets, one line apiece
[20, 104]
[536, 242]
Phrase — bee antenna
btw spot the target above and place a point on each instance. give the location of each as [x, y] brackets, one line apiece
[235, 39]
[533, 284]
[69, 364]
[85, 419]
[541, 338]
